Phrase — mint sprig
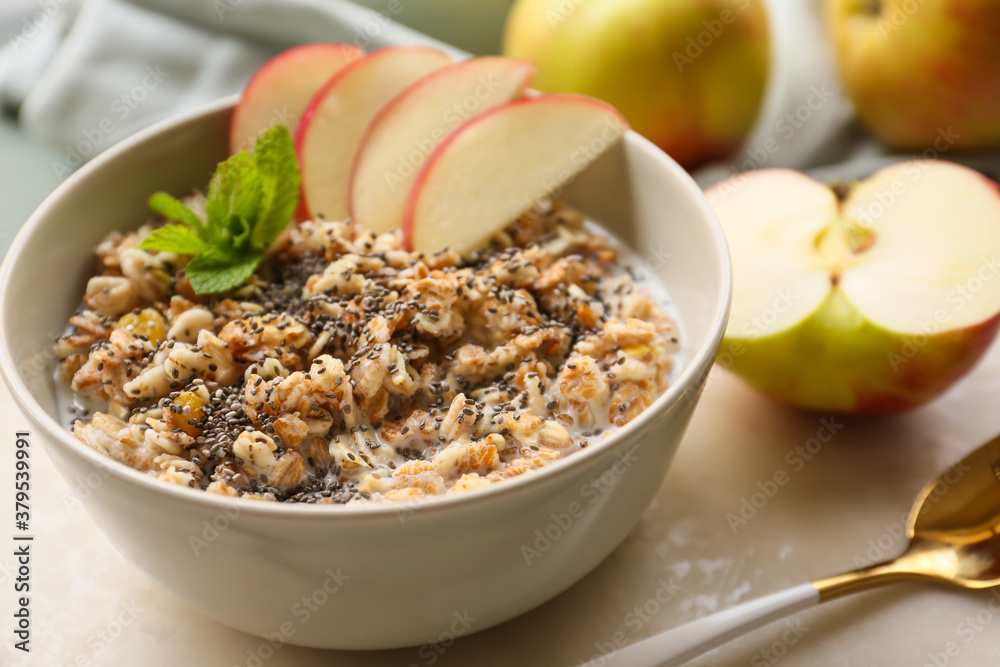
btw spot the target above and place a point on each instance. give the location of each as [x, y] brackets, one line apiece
[250, 200]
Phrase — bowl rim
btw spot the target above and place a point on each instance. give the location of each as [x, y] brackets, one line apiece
[696, 361]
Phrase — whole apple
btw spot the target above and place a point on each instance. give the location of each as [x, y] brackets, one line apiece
[870, 299]
[922, 72]
[688, 74]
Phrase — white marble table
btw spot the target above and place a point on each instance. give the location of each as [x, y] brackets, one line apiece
[845, 504]
[840, 507]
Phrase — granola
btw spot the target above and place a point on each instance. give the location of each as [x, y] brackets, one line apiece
[350, 369]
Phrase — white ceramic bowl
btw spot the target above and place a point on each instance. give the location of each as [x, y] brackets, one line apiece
[367, 576]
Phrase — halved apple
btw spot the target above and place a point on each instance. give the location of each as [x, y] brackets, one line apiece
[280, 90]
[499, 165]
[874, 302]
[408, 129]
[333, 124]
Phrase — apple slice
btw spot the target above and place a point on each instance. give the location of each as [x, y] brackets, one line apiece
[498, 165]
[333, 124]
[408, 129]
[874, 303]
[280, 90]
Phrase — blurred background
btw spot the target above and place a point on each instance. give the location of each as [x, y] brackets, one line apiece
[837, 88]
[722, 85]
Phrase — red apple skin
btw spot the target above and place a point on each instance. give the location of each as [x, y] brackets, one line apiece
[302, 214]
[434, 158]
[395, 107]
[294, 57]
[953, 44]
[837, 360]
[633, 54]
[881, 378]
[303, 127]
[933, 370]
[993, 184]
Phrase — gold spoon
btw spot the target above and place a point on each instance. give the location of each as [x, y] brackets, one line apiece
[953, 531]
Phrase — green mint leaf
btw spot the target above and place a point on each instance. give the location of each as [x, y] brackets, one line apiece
[216, 271]
[172, 209]
[174, 238]
[249, 202]
[220, 199]
[239, 231]
[279, 176]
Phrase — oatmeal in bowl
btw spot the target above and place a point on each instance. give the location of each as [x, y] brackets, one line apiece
[349, 369]
[409, 376]
[401, 558]
[456, 329]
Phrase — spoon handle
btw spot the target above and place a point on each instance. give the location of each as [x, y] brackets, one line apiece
[679, 645]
